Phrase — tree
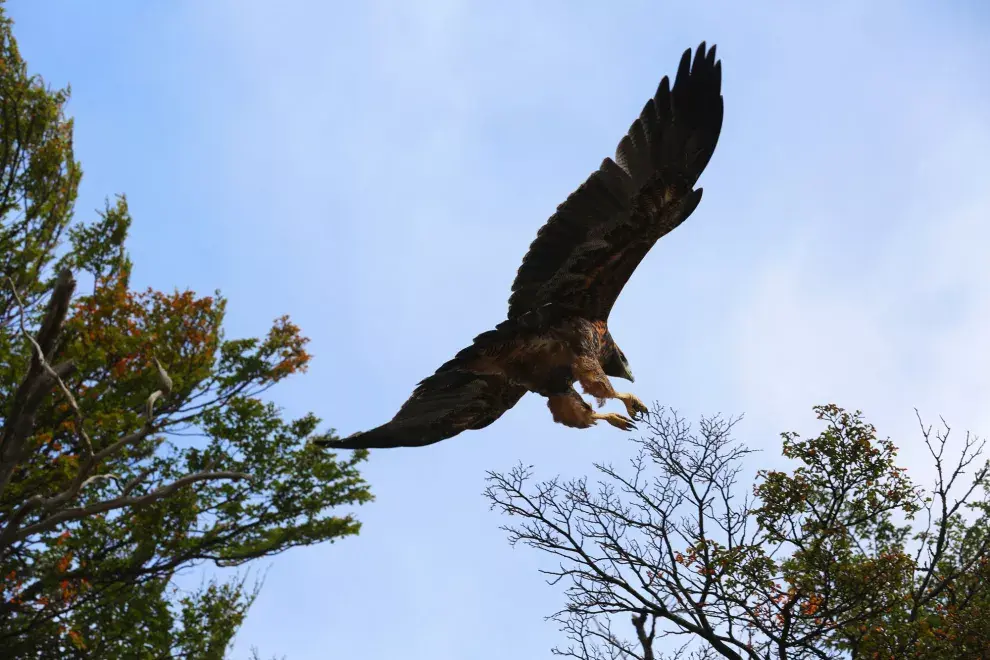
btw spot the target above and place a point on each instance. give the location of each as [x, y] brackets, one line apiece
[134, 439]
[841, 557]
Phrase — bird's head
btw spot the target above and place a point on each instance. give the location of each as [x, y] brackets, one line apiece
[615, 363]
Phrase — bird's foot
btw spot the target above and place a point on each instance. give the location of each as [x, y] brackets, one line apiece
[616, 420]
[635, 407]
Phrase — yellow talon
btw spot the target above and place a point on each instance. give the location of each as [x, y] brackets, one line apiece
[616, 420]
[634, 407]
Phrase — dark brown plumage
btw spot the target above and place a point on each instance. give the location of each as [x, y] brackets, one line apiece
[556, 332]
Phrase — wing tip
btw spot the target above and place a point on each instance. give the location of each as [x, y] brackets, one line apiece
[676, 133]
[696, 108]
[705, 67]
[704, 55]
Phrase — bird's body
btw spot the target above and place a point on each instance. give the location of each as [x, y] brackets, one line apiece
[556, 333]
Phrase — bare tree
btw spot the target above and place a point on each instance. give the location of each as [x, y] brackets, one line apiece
[822, 562]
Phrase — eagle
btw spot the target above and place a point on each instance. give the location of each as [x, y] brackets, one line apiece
[556, 332]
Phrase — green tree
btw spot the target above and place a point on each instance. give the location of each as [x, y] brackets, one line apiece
[134, 440]
[841, 557]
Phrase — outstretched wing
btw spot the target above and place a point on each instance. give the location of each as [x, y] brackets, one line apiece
[586, 252]
[452, 400]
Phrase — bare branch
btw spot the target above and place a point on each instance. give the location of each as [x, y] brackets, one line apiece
[671, 544]
[622, 544]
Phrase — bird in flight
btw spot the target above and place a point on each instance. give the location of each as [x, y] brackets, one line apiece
[557, 332]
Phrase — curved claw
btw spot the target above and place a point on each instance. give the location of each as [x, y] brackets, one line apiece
[627, 424]
[618, 421]
[634, 407]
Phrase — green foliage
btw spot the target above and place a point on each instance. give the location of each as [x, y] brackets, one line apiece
[39, 177]
[856, 569]
[140, 444]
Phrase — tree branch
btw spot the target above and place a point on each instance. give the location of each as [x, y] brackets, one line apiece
[19, 422]
[52, 521]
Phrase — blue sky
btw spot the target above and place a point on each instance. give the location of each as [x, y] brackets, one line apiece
[377, 170]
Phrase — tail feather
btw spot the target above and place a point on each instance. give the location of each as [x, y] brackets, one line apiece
[383, 437]
[447, 403]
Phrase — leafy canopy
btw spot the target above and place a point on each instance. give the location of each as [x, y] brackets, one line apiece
[135, 438]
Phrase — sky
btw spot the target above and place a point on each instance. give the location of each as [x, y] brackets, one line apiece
[376, 170]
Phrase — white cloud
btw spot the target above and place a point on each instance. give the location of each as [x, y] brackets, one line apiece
[907, 326]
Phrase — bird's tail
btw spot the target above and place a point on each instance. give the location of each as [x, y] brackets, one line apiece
[376, 438]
